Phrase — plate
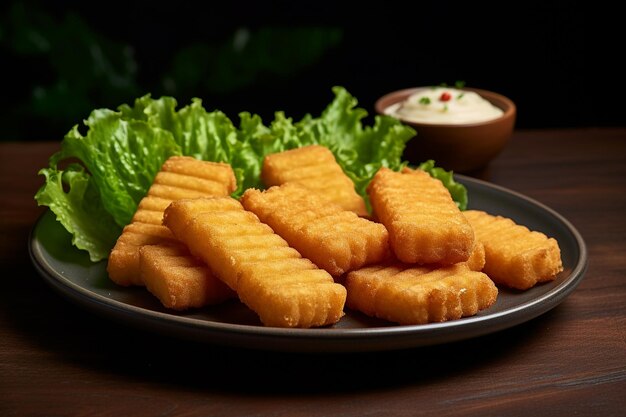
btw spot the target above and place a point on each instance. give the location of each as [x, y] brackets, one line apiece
[69, 271]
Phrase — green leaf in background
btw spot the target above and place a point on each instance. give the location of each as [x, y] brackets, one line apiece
[78, 66]
[247, 58]
[69, 64]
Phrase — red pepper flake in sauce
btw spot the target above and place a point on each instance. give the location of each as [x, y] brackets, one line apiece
[445, 96]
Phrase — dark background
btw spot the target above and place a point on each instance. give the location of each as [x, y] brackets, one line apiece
[557, 60]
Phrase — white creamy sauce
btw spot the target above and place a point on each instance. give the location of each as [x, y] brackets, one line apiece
[442, 105]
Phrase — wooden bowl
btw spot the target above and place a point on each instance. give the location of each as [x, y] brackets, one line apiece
[462, 148]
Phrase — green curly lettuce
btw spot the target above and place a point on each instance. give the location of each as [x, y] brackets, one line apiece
[79, 209]
[94, 184]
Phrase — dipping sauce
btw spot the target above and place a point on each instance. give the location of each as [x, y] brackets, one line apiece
[444, 105]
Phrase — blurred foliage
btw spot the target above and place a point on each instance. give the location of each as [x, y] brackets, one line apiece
[246, 57]
[61, 67]
[70, 68]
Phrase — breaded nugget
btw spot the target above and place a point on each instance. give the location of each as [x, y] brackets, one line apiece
[425, 225]
[418, 295]
[123, 265]
[315, 168]
[476, 261]
[515, 256]
[178, 279]
[335, 239]
[219, 178]
[150, 210]
[273, 279]
[184, 177]
[180, 177]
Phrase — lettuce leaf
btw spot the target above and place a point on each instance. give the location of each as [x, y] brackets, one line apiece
[115, 162]
[79, 209]
[121, 156]
[96, 196]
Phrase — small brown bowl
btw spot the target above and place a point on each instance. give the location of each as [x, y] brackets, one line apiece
[463, 148]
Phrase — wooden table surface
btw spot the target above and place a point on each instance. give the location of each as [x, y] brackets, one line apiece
[57, 359]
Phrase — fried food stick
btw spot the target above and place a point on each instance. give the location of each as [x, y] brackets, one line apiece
[123, 265]
[184, 177]
[418, 295]
[178, 279]
[180, 177]
[335, 239]
[315, 168]
[476, 261]
[515, 256]
[425, 225]
[273, 279]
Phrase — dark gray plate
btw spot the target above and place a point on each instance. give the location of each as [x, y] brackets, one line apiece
[69, 271]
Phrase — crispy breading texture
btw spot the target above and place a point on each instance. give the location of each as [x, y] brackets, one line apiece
[184, 177]
[273, 279]
[123, 265]
[418, 295]
[178, 279]
[180, 177]
[476, 261]
[314, 167]
[425, 225]
[335, 239]
[514, 255]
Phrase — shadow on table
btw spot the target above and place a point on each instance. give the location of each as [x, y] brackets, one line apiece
[92, 342]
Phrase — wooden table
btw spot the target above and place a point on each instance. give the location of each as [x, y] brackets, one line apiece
[57, 359]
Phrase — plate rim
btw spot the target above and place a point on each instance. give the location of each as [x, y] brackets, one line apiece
[334, 339]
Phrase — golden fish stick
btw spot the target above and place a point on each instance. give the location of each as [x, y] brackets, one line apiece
[124, 266]
[150, 210]
[218, 173]
[425, 225]
[180, 177]
[184, 177]
[476, 261]
[273, 279]
[154, 203]
[335, 239]
[514, 255]
[188, 182]
[178, 279]
[314, 167]
[175, 193]
[296, 164]
[418, 295]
